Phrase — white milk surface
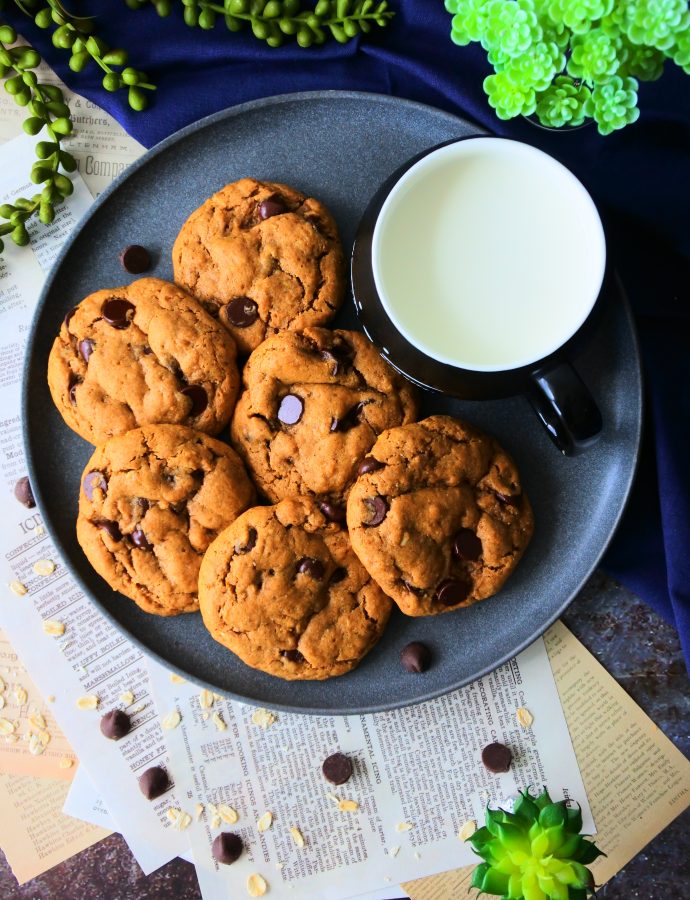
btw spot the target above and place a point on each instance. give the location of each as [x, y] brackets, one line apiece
[490, 258]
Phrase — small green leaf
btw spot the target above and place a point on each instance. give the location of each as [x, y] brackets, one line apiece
[62, 126]
[33, 125]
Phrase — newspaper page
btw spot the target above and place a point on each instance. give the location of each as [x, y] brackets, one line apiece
[91, 657]
[418, 780]
[34, 834]
[637, 781]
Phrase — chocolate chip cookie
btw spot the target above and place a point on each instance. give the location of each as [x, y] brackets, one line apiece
[262, 257]
[282, 588]
[312, 407]
[151, 502]
[438, 515]
[142, 354]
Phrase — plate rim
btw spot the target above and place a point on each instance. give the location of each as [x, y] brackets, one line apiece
[144, 159]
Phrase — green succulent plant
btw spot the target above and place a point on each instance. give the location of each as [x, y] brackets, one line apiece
[535, 852]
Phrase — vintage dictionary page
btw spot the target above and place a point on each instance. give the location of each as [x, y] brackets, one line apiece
[637, 781]
[418, 780]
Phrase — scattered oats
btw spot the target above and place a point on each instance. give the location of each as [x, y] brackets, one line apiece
[215, 822]
[218, 722]
[90, 701]
[50, 626]
[297, 836]
[172, 720]
[37, 720]
[405, 538]
[127, 698]
[39, 529]
[140, 708]
[265, 821]
[36, 745]
[404, 826]
[204, 717]
[218, 697]
[2, 701]
[183, 822]
[212, 808]
[19, 695]
[18, 588]
[348, 805]
[205, 699]
[66, 762]
[227, 814]
[173, 815]
[198, 811]
[51, 698]
[263, 717]
[467, 830]
[6, 727]
[44, 567]
[393, 851]
[177, 679]
[524, 717]
[417, 854]
[333, 798]
[256, 886]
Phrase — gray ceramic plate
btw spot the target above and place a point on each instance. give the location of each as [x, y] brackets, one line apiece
[338, 147]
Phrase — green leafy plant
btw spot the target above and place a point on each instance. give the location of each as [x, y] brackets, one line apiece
[572, 61]
[535, 852]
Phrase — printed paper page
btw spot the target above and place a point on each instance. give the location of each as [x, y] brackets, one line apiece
[34, 833]
[418, 780]
[84, 802]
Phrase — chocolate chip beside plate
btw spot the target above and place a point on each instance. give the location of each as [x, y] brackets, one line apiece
[241, 312]
[85, 349]
[415, 657]
[199, 399]
[497, 757]
[337, 768]
[139, 539]
[314, 568]
[135, 259]
[378, 510]
[451, 591]
[94, 480]
[466, 545]
[23, 492]
[115, 724]
[272, 207]
[332, 511]
[290, 409]
[369, 464]
[226, 847]
[154, 782]
[116, 312]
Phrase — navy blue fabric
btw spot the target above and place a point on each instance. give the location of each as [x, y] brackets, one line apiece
[640, 177]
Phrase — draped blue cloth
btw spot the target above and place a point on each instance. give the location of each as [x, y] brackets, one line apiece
[640, 177]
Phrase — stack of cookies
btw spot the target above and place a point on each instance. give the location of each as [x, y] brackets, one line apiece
[368, 507]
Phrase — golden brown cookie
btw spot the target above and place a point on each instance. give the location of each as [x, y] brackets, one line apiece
[312, 407]
[262, 257]
[142, 354]
[151, 502]
[282, 588]
[438, 515]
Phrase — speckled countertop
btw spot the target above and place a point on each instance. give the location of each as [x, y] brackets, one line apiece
[637, 648]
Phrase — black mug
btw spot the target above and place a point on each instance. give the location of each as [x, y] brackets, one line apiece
[557, 393]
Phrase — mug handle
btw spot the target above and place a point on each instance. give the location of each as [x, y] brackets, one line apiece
[565, 406]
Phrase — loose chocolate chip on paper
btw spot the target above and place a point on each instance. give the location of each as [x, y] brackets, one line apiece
[226, 847]
[290, 409]
[273, 207]
[23, 492]
[497, 757]
[135, 259]
[94, 480]
[466, 545]
[415, 657]
[116, 312]
[369, 464]
[85, 349]
[115, 724]
[154, 782]
[314, 568]
[241, 312]
[199, 399]
[451, 591]
[378, 510]
[332, 511]
[337, 768]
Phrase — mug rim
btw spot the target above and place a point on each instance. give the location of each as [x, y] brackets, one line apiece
[428, 161]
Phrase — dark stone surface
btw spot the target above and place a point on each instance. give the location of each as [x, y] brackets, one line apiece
[636, 647]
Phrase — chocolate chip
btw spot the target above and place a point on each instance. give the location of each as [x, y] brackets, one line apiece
[135, 259]
[116, 312]
[497, 757]
[349, 420]
[412, 588]
[466, 545]
[72, 384]
[226, 847]
[115, 724]
[154, 782]
[508, 499]
[337, 768]
[340, 355]
[314, 568]
[146, 350]
[290, 409]
[85, 348]
[340, 574]
[273, 207]
[142, 503]
[415, 657]
[241, 312]
[332, 511]
[369, 464]
[94, 480]
[199, 399]
[111, 528]
[68, 317]
[378, 510]
[251, 542]
[139, 539]
[292, 655]
[23, 492]
[451, 591]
